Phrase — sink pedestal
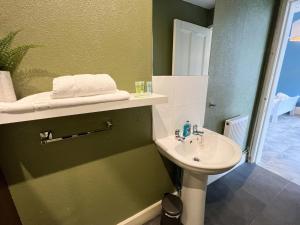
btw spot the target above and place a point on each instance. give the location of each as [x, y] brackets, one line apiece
[215, 154]
[193, 196]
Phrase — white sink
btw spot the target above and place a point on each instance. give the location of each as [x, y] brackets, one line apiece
[215, 154]
[199, 156]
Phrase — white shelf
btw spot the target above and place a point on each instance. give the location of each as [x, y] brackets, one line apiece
[145, 100]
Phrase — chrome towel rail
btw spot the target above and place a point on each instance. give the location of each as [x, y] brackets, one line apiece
[47, 136]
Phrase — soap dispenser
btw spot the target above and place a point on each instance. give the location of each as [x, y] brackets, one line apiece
[186, 129]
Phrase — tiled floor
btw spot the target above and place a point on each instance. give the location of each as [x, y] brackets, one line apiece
[281, 152]
[251, 195]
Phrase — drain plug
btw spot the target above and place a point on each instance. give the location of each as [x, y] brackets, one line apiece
[196, 159]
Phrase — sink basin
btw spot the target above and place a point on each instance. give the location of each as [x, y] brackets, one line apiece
[211, 154]
[199, 156]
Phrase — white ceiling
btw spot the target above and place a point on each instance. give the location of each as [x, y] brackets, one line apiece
[208, 4]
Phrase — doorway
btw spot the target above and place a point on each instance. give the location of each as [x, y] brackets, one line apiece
[275, 143]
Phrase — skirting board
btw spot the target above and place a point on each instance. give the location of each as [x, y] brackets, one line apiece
[143, 216]
[154, 210]
[297, 111]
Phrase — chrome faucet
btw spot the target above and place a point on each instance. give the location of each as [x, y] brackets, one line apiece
[197, 132]
[178, 137]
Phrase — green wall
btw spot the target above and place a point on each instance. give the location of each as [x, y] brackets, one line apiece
[98, 179]
[164, 13]
[239, 40]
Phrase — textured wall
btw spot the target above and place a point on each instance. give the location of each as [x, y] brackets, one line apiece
[238, 46]
[164, 13]
[81, 37]
[102, 178]
[289, 81]
[8, 211]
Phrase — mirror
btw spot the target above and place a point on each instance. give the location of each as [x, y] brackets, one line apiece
[191, 49]
[181, 37]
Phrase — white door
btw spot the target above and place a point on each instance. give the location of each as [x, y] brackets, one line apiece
[191, 49]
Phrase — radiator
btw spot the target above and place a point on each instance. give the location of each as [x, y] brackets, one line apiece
[235, 128]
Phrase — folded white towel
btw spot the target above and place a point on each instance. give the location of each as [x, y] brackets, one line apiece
[16, 107]
[43, 101]
[83, 85]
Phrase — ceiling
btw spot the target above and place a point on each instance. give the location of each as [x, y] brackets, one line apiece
[208, 4]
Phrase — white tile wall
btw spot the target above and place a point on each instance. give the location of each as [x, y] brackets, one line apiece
[187, 101]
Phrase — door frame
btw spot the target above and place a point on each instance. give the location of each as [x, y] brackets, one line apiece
[274, 64]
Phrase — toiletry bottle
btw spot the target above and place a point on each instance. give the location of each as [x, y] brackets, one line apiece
[186, 129]
[149, 87]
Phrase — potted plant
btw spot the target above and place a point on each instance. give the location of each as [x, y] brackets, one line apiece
[10, 59]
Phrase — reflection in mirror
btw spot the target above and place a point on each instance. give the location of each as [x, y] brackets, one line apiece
[181, 37]
[191, 49]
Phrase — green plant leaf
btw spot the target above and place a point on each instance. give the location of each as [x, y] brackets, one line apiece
[16, 55]
[10, 58]
[6, 42]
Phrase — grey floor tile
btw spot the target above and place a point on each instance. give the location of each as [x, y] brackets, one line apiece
[251, 195]
[267, 220]
[265, 186]
[289, 198]
[257, 181]
[247, 169]
[245, 205]
[220, 191]
[283, 210]
[223, 216]
[281, 151]
[228, 201]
